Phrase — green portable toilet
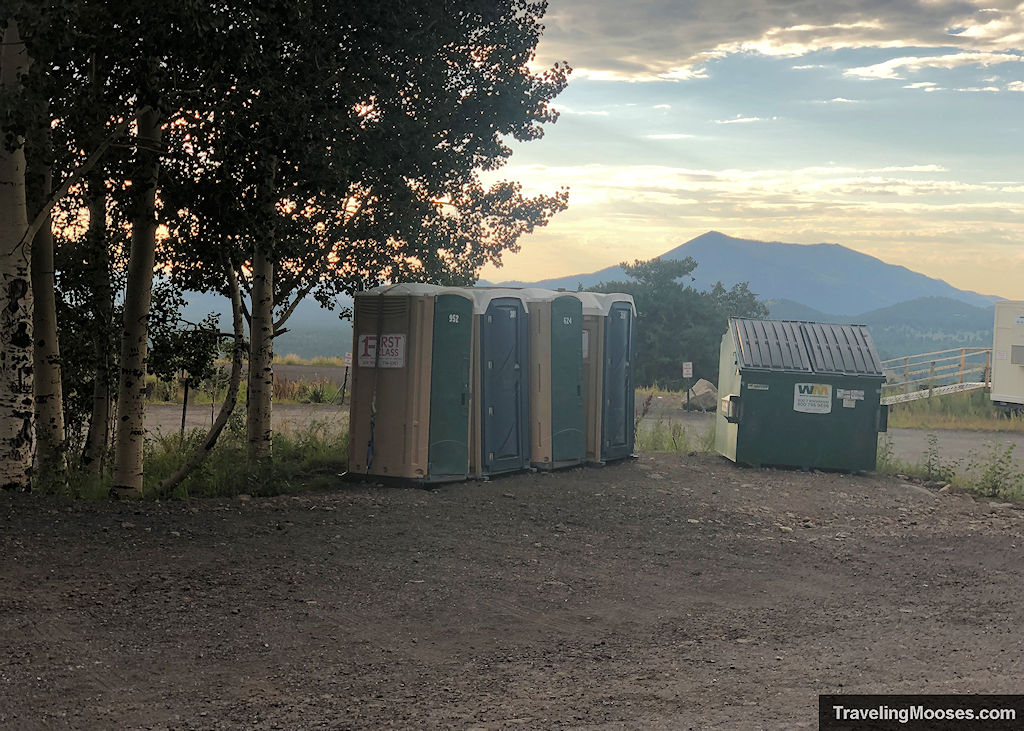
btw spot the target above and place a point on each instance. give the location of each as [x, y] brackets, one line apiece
[409, 412]
[799, 394]
[609, 341]
[500, 378]
[556, 379]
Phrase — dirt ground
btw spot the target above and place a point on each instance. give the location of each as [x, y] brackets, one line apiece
[671, 592]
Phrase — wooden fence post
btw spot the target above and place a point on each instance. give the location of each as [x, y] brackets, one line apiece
[963, 363]
[931, 379]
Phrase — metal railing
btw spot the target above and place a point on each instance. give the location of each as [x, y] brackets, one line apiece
[955, 369]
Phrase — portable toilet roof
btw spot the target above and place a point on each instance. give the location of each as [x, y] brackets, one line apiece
[805, 347]
[412, 289]
[596, 303]
[482, 297]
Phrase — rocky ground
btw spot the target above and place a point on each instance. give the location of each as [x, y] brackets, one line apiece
[669, 592]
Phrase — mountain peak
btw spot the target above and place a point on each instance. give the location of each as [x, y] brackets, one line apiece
[828, 277]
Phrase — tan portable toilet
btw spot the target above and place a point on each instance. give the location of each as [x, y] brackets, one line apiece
[609, 321]
[557, 426]
[409, 412]
[500, 413]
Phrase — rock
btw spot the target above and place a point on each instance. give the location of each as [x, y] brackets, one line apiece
[703, 396]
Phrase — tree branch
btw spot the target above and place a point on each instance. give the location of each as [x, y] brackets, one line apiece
[203, 450]
[76, 176]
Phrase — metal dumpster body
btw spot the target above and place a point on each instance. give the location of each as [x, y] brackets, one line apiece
[799, 394]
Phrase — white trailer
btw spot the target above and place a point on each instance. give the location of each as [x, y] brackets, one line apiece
[1008, 356]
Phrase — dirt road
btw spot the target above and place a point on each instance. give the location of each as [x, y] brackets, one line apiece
[672, 592]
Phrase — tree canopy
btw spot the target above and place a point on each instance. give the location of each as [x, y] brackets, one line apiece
[677, 322]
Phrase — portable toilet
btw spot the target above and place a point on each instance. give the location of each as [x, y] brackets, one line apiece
[799, 394]
[557, 437]
[409, 411]
[1008, 356]
[608, 341]
[500, 414]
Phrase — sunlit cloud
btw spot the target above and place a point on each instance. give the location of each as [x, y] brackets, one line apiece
[663, 39]
[893, 68]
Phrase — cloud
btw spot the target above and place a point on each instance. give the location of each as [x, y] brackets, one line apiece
[662, 106]
[670, 136]
[1015, 86]
[904, 213]
[892, 68]
[650, 40]
[743, 120]
[562, 109]
[839, 100]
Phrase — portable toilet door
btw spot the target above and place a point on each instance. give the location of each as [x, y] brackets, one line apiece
[617, 420]
[448, 447]
[568, 440]
[504, 397]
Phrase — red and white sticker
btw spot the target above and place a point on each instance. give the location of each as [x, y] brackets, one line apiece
[392, 351]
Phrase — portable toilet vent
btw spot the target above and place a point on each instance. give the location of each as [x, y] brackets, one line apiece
[409, 413]
[799, 394]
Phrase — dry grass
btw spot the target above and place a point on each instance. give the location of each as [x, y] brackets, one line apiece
[972, 411]
[320, 360]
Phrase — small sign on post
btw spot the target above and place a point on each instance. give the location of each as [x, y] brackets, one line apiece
[344, 383]
[687, 375]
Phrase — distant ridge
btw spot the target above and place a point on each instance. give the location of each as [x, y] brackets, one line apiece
[920, 325]
[824, 277]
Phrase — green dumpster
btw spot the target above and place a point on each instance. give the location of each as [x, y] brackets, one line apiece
[799, 394]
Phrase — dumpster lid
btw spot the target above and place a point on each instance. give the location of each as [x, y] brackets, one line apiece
[844, 349]
[792, 345]
[775, 345]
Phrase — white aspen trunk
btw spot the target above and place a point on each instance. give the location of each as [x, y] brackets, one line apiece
[203, 450]
[102, 307]
[131, 387]
[259, 404]
[17, 412]
[51, 459]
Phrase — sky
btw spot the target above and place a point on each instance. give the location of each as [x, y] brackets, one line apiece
[893, 128]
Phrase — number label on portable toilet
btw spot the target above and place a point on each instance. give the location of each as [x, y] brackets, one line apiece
[392, 351]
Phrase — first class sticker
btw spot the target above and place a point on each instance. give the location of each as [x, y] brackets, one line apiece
[812, 398]
[392, 351]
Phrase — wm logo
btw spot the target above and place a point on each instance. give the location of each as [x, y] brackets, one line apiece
[812, 389]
